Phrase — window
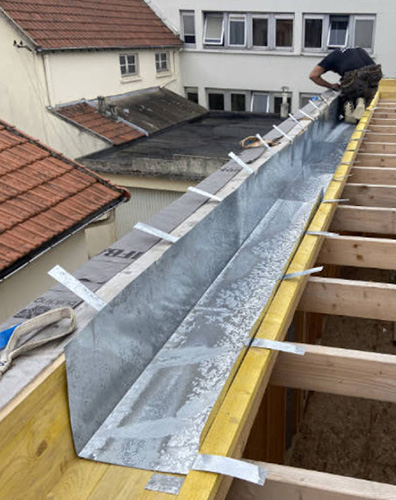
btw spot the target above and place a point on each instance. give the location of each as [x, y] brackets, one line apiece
[278, 103]
[128, 64]
[338, 31]
[259, 102]
[188, 27]
[192, 94]
[260, 31]
[324, 32]
[216, 101]
[161, 61]
[237, 30]
[363, 32]
[283, 32]
[238, 102]
[214, 29]
[313, 33]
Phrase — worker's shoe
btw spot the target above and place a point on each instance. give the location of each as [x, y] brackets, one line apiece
[360, 108]
[349, 113]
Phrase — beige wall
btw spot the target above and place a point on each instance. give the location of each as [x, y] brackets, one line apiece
[74, 75]
[32, 280]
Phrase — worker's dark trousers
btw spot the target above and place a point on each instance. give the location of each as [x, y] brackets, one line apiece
[360, 83]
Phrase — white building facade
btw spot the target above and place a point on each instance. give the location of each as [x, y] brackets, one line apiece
[239, 55]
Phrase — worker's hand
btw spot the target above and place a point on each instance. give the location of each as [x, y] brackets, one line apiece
[335, 86]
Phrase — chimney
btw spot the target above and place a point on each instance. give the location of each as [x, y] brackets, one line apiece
[112, 108]
[101, 104]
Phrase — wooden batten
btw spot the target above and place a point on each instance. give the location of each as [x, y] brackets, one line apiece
[344, 372]
[370, 195]
[374, 175]
[378, 136]
[357, 299]
[375, 160]
[365, 220]
[357, 251]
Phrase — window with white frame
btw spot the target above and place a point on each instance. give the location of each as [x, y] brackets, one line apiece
[214, 29]
[324, 32]
[128, 64]
[236, 30]
[249, 30]
[245, 100]
[188, 27]
[161, 61]
[259, 102]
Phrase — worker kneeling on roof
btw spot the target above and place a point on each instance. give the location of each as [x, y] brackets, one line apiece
[359, 79]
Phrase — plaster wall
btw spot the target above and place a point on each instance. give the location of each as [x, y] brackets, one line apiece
[270, 70]
[24, 97]
[32, 280]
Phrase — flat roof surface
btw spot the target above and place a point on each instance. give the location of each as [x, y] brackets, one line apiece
[213, 135]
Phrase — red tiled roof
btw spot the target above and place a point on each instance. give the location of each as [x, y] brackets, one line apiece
[116, 131]
[43, 197]
[55, 24]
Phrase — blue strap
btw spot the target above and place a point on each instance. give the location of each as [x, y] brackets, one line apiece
[5, 335]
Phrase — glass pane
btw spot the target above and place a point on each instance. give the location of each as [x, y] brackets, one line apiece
[238, 102]
[216, 102]
[313, 33]
[338, 32]
[189, 38]
[260, 103]
[122, 59]
[364, 33]
[214, 28]
[237, 32]
[260, 32]
[192, 96]
[188, 24]
[284, 32]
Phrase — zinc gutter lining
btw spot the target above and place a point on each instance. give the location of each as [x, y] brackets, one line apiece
[244, 395]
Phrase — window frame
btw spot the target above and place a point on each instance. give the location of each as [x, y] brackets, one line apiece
[259, 92]
[325, 29]
[126, 55]
[260, 17]
[334, 46]
[160, 69]
[205, 39]
[236, 16]
[183, 33]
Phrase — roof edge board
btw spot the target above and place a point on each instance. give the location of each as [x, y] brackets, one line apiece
[13, 23]
[42, 50]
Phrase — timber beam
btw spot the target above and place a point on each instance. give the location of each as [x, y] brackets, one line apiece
[345, 372]
[291, 483]
[357, 299]
[377, 253]
[374, 175]
[375, 160]
[365, 220]
[370, 195]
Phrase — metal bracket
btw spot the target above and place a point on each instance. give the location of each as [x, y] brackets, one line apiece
[267, 146]
[274, 345]
[240, 162]
[323, 233]
[283, 133]
[303, 273]
[204, 193]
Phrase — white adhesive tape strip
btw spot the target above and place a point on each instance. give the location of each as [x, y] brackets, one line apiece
[204, 193]
[74, 285]
[155, 232]
[165, 484]
[274, 345]
[323, 233]
[283, 133]
[231, 467]
[267, 146]
[303, 273]
[240, 162]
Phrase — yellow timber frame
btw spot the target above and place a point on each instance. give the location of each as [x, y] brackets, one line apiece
[37, 457]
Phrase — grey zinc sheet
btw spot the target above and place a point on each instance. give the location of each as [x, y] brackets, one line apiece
[144, 375]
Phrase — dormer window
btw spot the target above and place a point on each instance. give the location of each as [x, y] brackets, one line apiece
[128, 64]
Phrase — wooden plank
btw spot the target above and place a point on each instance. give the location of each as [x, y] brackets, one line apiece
[345, 372]
[377, 147]
[359, 299]
[370, 195]
[365, 220]
[290, 483]
[380, 137]
[375, 160]
[382, 121]
[374, 175]
[378, 253]
[382, 129]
